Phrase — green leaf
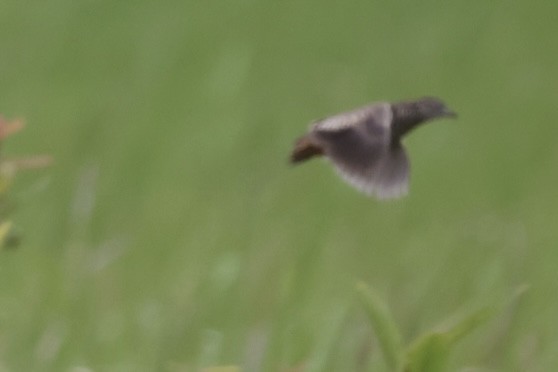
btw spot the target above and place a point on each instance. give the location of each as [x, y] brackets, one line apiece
[384, 325]
[430, 352]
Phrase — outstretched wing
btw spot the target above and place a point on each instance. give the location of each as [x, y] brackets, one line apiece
[378, 114]
[359, 145]
[390, 177]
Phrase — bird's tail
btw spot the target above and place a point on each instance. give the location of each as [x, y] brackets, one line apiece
[305, 148]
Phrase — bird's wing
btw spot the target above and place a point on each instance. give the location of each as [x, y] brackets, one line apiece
[386, 178]
[390, 178]
[379, 113]
[359, 145]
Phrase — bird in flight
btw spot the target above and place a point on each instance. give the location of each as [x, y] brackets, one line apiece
[365, 146]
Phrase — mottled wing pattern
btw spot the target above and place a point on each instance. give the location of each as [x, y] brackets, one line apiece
[359, 145]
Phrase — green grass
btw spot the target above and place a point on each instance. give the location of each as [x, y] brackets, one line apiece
[171, 234]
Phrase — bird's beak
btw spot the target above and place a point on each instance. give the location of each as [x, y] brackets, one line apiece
[449, 113]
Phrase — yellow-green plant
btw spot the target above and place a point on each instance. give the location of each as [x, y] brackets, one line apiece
[430, 351]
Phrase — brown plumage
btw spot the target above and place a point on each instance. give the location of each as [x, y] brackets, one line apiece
[365, 146]
[304, 149]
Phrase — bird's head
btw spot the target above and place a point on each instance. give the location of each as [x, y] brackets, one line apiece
[431, 108]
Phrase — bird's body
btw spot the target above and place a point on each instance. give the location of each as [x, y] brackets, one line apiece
[365, 146]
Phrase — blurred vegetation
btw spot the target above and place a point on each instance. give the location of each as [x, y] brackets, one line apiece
[9, 236]
[172, 235]
[430, 352]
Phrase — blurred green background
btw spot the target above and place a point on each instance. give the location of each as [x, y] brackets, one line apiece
[171, 234]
